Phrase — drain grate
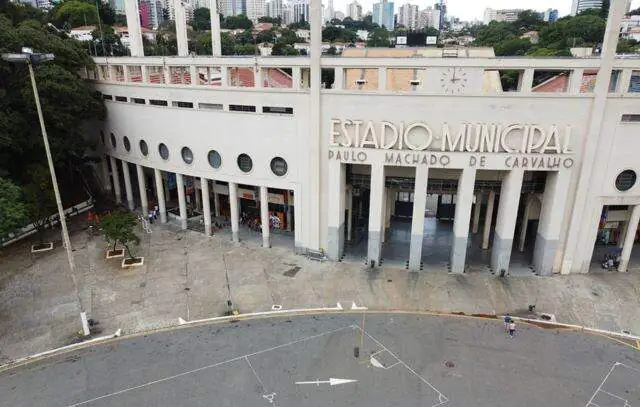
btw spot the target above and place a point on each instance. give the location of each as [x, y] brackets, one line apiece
[292, 271]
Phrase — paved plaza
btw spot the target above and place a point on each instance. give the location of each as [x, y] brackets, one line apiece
[403, 360]
[187, 275]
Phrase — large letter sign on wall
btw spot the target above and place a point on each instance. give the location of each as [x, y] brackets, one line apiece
[513, 139]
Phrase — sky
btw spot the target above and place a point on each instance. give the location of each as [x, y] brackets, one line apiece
[468, 10]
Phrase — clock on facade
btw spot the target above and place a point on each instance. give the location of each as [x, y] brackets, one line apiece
[453, 80]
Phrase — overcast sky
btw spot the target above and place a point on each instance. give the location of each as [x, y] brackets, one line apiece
[468, 10]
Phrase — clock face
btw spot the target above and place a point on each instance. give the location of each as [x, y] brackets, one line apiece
[453, 80]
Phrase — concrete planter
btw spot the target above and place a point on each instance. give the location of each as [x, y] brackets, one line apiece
[130, 263]
[112, 254]
[41, 247]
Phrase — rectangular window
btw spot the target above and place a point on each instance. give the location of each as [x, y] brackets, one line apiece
[631, 118]
[121, 99]
[211, 106]
[277, 109]
[242, 108]
[634, 82]
[107, 97]
[187, 105]
[404, 196]
[138, 101]
[156, 102]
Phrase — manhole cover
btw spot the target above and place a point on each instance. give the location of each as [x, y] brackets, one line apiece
[449, 364]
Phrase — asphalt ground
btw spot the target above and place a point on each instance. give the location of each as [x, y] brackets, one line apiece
[404, 360]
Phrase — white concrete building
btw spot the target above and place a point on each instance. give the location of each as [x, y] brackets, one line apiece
[255, 9]
[578, 6]
[354, 11]
[408, 16]
[429, 17]
[417, 159]
[274, 8]
[506, 15]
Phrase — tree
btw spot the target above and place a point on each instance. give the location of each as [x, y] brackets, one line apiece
[627, 46]
[266, 36]
[118, 228]
[68, 102]
[331, 33]
[300, 25]
[39, 198]
[237, 22]
[201, 19]
[271, 20]
[13, 210]
[289, 37]
[379, 37]
[635, 12]
[74, 13]
[495, 32]
[108, 41]
[512, 47]
[528, 20]
[284, 49]
[332, 51]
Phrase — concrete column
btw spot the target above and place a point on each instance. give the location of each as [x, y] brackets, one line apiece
[575, 81]
[629, 239]
[625, 227]
[506, 221]
[464, 200]
[350, 213]
[182, 202]
[181, 28]
[338, 80]
[524, 224]
[296, 76]
[206, 206]
[376, 207]
[488, 219]
[289, 208]
[216, 44]
[144, 200]
[127, 185]
[235, 216]
[257, 77]
[417, 219]
[216, 201]
[162, 207]
[336, 202]
[552, 213]
[116, 179]
[382, 79]
[133, 25]
[298, 224]
[313, 153]
[476, 213]
[106, 179]
[198, 197]
[264, 216]
[385, 200]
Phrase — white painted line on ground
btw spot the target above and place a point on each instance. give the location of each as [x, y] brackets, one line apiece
[590, 402]
[168, 378]
[60, 349]
[261, 314]
[579, 327]
[441, 397]
[331, 382]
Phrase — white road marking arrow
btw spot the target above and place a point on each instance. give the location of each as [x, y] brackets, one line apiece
[332, 381]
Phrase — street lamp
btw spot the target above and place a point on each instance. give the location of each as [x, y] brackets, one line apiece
[30, 58]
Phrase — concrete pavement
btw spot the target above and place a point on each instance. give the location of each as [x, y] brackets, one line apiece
[187, 275]
[405, 360]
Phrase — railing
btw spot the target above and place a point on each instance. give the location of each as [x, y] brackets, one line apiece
[570, 76]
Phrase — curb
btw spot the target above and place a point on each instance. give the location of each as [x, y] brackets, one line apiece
[338, 309]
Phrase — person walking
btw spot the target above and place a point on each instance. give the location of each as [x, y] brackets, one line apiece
[507, 320]
[512, 329]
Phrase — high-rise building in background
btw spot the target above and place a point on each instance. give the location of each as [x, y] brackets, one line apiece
[354, 11]
[255, 9]
[143, 9]
[300, 10]
[383, 14]
[274, 8]
[550, 15]
[235, 7]
[429, 17]
[287, 14]
[339, 15]
[408, 16]
[329, 11]
[43, 4]
[117, 6]
[579, 6]
[506, 15]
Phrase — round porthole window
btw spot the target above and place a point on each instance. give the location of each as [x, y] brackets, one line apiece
[626, 180]
[164, 151]
[245, 163]
[113, 140]
[127, 144]
[144, 148]
[214, 159]
[279, 166]
[187, 155]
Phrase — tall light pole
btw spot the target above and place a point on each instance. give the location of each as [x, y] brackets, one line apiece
[30, 58]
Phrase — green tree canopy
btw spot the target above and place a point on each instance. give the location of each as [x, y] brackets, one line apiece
[379, 37]
[272, 20]
[118, 227]
[13, 210]
[201, 19]
[67, 101]
[237, 22]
